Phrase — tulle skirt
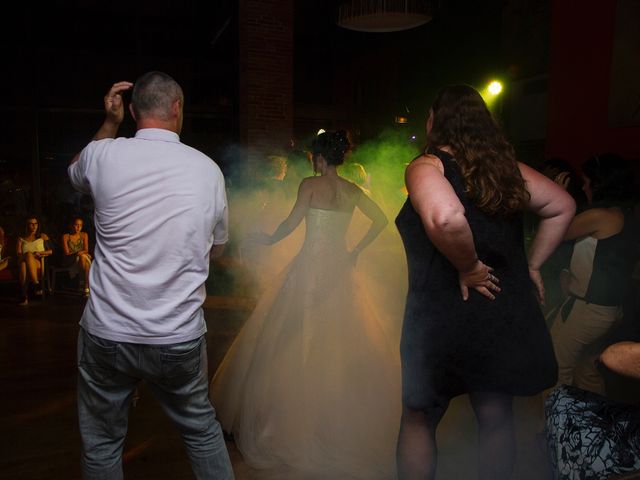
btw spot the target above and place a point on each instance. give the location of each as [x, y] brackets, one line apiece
[310, 388]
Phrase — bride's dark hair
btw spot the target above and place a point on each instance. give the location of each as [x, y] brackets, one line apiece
[332, 146]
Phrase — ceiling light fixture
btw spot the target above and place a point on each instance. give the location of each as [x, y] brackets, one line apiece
[384, 15]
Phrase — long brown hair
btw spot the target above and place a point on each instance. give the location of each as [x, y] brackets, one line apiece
[487, 161]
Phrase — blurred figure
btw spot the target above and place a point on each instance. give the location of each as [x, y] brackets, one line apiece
[600, 270]
[75, 246]
[472, 322]
[589, 436]
[31, 249]
[554, 271]
[4, 260]
[259, 208]
[562, 173]
[298, 167]
[271, 185]
[277, 167]
[356, 173]
[310, 386]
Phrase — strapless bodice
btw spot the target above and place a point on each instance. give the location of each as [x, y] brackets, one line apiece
[326, 230]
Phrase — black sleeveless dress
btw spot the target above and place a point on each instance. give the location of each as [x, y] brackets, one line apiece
[449, 346]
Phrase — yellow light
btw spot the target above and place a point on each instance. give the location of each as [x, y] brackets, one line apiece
[322, 130]
[494, 87]
[402, 119]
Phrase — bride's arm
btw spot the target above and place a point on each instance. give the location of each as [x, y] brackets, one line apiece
[377, 217]
[296, 215]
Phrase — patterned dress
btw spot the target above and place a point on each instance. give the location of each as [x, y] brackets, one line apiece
[591, 437]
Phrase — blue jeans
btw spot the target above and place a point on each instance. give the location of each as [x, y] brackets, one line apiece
[108, 373]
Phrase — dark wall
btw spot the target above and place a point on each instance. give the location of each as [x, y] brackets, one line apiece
[582, 46]
[60, 58]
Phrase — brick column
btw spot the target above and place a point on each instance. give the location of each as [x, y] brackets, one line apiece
[266, 75]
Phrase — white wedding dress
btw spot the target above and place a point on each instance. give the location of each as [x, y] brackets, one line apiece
[310, 388]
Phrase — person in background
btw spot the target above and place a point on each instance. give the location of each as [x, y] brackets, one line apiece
[356, 173]
[600, 271]
[591, 437]
[75, 246]
[4, 260]
[555, 269]
[562, 173]
[160, 215]
[472, 322]
[310, 387]
[31, 248]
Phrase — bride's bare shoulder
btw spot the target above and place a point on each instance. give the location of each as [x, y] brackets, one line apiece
[309, 181]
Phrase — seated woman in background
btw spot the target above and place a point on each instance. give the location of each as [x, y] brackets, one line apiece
[31, 248]
[76, 252]
[591, 437]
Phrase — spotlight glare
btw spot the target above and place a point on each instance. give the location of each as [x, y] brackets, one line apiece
[322, 130]
[495, 87]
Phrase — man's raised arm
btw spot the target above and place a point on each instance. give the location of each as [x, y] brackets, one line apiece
[114, 110]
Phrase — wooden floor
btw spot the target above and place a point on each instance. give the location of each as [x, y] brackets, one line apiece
[39, 434]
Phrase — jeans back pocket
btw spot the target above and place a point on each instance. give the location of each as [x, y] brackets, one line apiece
[98, 357]
[181, 362]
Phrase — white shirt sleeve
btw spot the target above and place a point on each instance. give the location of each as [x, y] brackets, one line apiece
[78, 170]
[221, 229]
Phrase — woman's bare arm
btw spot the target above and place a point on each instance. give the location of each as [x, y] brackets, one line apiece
[47, 251]
[556, 208]
[623, 358]
[596, 222]
[294, 218]
[444, 220]
[378, 220]
[65, 244]
[85, 242]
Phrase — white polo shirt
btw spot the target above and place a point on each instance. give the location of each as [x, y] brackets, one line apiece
[159, 207]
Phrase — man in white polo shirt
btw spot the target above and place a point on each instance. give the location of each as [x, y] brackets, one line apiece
[160, 213]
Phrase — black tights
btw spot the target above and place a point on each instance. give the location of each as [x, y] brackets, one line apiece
[418, 452]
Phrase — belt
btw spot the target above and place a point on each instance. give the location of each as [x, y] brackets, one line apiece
[566, 308]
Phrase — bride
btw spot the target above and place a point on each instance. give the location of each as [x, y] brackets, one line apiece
[311, 385]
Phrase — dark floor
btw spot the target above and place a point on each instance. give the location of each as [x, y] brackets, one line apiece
[40, 437]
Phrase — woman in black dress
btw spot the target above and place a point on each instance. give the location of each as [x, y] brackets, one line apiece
[463, 234]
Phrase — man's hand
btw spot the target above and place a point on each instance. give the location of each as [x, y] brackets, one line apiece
[113, 104]
[114, 109]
